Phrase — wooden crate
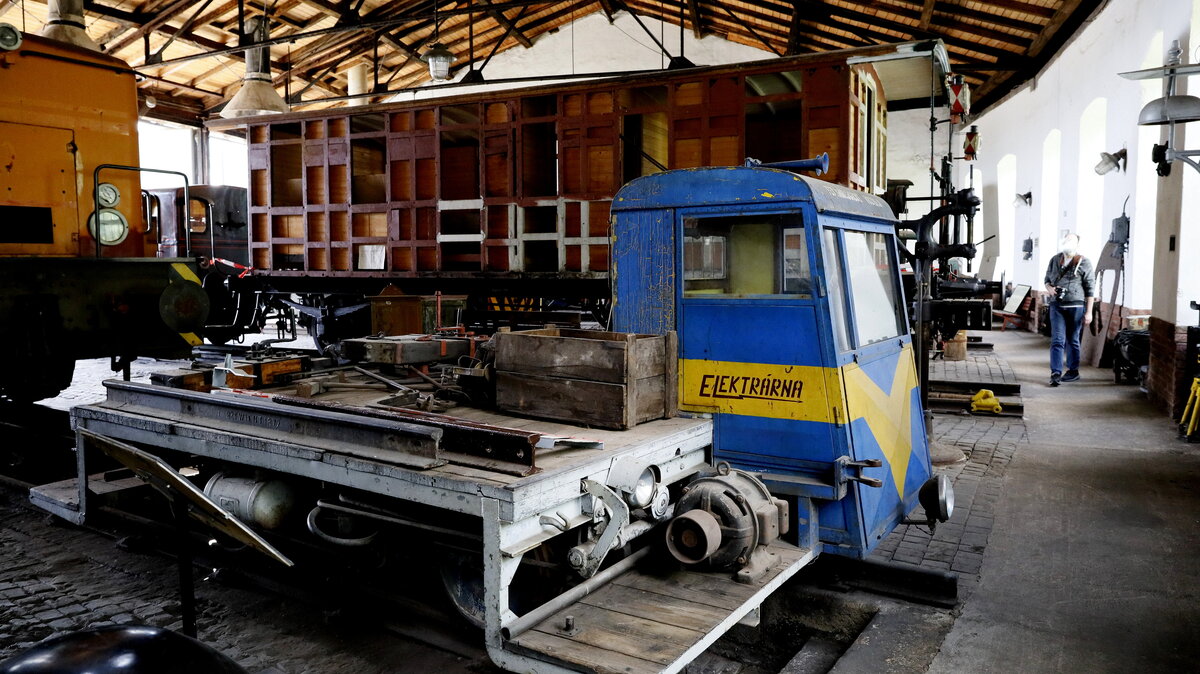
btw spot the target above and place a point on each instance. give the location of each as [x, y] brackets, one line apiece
[603, 379]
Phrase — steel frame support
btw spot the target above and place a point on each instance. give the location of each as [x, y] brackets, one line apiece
[498, 571]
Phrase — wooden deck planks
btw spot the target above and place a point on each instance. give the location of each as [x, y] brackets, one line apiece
[643, 623]
[624, 599]
[602, 631]
[565, 650]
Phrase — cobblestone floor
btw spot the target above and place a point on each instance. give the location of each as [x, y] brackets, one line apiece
[988, 444]
[55, 578]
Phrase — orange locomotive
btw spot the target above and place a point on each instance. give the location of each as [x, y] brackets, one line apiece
[65, 112]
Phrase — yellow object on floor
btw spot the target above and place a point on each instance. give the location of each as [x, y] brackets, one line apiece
[985, 401]
[1189, 423]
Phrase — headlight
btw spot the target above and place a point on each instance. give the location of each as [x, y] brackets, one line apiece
[108, 195]
[642, 492]
[113, 226]
[937, 498]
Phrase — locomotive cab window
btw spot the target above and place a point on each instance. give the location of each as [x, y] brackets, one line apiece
[197, 216]
[741, 256]
[873, 292]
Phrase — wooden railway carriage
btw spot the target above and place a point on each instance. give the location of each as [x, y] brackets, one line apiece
[502, 191]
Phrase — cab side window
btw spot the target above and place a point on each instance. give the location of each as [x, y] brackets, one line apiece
[746, 256]
[197, 216]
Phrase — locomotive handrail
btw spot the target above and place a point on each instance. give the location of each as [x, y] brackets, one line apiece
[122, 167]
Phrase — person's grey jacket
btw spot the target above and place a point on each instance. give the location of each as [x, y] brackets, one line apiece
[1076, 286]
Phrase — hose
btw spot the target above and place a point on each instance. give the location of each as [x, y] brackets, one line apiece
[336, 540]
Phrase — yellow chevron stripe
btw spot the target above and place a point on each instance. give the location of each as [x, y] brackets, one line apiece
[185, 272]
[888, 414]
[808, 393]
[186, 275]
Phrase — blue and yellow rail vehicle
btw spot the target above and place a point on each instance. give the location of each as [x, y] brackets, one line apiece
[785, 293]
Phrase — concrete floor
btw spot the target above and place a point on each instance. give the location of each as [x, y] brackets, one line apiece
[1093, 564]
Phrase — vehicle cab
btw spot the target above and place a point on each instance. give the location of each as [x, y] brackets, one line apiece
[785, 293]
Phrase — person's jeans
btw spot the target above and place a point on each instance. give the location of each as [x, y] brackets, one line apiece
[1066, 326]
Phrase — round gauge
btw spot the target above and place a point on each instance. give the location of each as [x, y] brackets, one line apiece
[108, 194]
[113, 226]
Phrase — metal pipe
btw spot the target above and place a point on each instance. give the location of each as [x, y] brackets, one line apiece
[537, 615]
[360, 511]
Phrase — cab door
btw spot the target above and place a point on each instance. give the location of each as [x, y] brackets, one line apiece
[753, 346]
[879, 381]
[38, 208]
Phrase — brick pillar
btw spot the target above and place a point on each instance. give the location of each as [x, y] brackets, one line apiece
[1167, 385]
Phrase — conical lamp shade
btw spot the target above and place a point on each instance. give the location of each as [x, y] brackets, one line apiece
[256, 97]
[1170, 109]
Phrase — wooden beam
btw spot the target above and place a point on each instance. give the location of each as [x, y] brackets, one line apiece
[499, 18]
[694, 10]
[926, 14]
[950, 23]
[89, 6]
[610, 8]
[749, 28]
[1067, 20]
[1022, 7]
[994, 19]
[160, 19]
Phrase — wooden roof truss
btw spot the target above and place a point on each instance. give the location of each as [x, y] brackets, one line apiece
[191, 52]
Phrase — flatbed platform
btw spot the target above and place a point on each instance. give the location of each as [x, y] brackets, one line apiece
[633, 620]
[379, 455]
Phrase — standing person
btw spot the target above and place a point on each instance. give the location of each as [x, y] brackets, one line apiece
[1069, 281]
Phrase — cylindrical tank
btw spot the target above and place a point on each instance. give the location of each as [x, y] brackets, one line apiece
[265, 503]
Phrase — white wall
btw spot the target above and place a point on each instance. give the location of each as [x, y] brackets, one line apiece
[591, 44]
[1054, 127]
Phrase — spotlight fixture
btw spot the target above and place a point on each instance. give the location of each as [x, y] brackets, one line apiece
[439, 59]
[1026, 199]
[1169, 110]
[10, 37]
[1110, 162]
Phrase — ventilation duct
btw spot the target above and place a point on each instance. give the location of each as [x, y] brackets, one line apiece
[257, 95]
[356, 83]
[64, 22]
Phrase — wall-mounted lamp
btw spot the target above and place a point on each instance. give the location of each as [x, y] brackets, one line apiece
[1027, 248]
[1170, 110]
[1026, 199]
[1110, 162]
